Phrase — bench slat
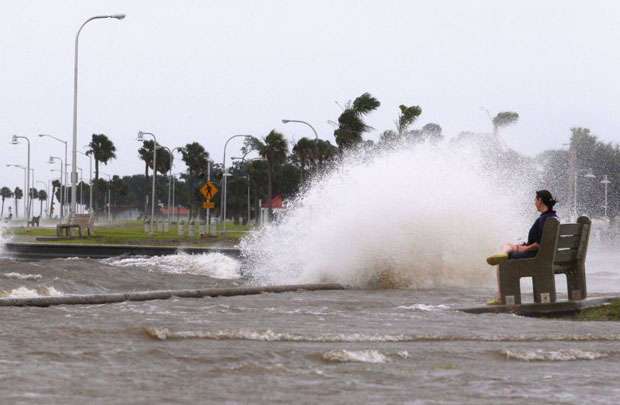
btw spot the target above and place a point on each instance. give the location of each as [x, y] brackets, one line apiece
[566, 256]
[569, 241]
[570, 229]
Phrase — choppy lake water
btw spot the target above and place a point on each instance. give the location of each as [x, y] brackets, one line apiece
[383, 346]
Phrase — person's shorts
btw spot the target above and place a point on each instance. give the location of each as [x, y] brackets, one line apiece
[522, 255]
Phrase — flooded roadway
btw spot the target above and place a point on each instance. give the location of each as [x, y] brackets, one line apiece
[353, 346]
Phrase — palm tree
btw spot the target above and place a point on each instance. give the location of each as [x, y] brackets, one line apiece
[55, 185]
[351, 123]
[406, 118]
[274, 150]
[196, 159]
[33, 195]
[42, 195]
[305, 153]
[146, 154]
[18, 194]
[102, 149]
[504, 119]
[5, 192]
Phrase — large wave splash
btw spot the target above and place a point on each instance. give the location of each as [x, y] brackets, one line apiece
[415, 216]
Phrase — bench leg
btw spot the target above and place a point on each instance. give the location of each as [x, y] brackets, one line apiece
[544, 288]
[509, 287]
[576, 285]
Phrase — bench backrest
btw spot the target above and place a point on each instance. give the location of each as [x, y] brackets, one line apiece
[564, 244]
[81, 219]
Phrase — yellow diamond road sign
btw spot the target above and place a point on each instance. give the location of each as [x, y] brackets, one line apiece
[208, 191]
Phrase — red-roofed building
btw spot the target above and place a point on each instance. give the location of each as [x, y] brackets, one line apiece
[276, 202]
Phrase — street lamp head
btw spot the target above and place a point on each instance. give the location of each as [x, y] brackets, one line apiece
[286, 121]
[605, 180]
[51, 160]
[14, 140]
[140, 136]
[589, 175]
[118, 16]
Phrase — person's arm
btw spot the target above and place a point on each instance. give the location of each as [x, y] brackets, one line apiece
[526, 248]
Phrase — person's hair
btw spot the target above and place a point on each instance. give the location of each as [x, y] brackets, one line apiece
[546, 198]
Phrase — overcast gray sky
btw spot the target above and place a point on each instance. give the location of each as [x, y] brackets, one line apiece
[204, 70]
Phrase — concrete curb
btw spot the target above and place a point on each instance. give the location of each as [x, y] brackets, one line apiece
[96, 299]
[554, 309]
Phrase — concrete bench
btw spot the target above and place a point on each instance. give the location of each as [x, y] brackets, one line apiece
[562, 250]
[79, 221]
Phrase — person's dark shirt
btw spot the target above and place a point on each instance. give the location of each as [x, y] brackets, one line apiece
[536, 231]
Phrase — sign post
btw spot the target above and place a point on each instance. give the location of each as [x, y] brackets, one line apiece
[208, 191]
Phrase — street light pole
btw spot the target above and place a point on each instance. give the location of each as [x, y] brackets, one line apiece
[25, 176]
[605, 182]
[175, 216]
[109, 195]
[223, 198]
[316, 136]
[51, 161]
[90, 181]
[75, 94]
[65, 193]
[15, 141]
[169, 179]
[141, 139]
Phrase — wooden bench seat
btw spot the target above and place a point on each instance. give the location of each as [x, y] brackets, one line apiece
[563, 250]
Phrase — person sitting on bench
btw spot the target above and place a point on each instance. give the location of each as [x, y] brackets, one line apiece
[544, 204]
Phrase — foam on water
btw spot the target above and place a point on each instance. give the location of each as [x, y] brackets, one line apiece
[20, 276]
[424, 307]
[268, 335]
[417, 216]
[555, 355]
[24, 292]
[215, 265]
[357, 356]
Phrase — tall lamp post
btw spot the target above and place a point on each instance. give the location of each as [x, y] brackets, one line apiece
[65, 195]
[316, 136]
[247, 176]
[175, 216]
[25, 176]
[75, 94]
[109, 195]
[62, 202]
[90, 181]
[15, 141]
[223, 198]
[605, 182]
[140, 138]
[169, 179]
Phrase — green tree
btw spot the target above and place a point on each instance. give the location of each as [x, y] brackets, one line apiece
[42, 196]
[504, 119]
[17, 194]
[34, 194]
[432, 132]
[351, 123]
[274, 149]
[102, 149]
[305, 155]
[5, 192]
[196, 159]
[55, 193]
